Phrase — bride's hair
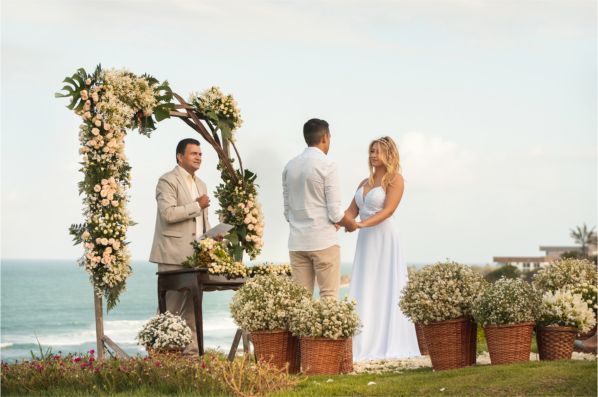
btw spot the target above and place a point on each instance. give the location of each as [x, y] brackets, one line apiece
[389, 156]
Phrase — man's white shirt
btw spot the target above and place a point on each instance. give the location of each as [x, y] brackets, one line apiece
[312, 200]
[194, 193]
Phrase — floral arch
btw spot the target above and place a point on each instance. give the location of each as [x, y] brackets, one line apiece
[111, 102]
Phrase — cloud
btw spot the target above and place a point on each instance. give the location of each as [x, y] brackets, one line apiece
[432, 162]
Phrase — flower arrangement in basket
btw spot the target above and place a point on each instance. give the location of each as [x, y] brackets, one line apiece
[566, 273]
[163, 333]
[213, 255]
[562, 314]
[325, 327]
[263, 306]
[441, 297]
[264, 269]
[507, 310]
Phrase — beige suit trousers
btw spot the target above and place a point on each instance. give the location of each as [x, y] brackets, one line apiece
[181, 303]
[322, 265]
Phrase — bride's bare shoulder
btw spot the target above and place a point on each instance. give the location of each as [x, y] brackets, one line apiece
[363, 183]
[396, 180]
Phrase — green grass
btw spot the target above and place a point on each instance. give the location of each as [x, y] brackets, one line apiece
[557, 378]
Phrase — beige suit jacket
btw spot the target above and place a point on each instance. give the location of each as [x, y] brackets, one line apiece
[176, 218]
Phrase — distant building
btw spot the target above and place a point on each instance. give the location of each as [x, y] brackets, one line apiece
[528, 263]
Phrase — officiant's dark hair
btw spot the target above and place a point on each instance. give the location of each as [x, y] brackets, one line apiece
[314, 130]
[182, 145]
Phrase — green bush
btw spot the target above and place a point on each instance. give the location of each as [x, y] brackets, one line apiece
[507, 271]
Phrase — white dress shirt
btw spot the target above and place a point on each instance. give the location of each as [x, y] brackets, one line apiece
[312, 201]
[194, 193]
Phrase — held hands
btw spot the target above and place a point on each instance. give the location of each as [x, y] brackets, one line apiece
[203, 201]
[351, 226]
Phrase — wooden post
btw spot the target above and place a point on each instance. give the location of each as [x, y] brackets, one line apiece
[97, 300]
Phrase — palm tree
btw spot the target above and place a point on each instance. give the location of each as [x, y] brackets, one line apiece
[583, 236]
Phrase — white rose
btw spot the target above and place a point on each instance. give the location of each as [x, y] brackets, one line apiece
[98, 123]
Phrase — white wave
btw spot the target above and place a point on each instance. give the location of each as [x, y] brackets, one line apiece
[123, 332]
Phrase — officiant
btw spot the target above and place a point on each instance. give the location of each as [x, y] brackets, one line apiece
[182, 217]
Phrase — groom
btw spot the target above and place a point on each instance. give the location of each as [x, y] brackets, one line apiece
[312, 207]
[182, 217]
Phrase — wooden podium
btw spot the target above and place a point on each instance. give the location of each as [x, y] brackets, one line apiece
[196, 281]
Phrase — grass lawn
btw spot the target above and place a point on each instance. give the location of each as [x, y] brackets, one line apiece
[557, 378]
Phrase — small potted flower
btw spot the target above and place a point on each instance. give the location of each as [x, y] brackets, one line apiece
[324, 326]
[263, 306]
[507, 310]
[562, 315]
[165, 333]
[440, 297]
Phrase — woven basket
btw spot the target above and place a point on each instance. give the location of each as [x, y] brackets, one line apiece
[347, 363]
[162, 353]
[322, 356]
[421, 339]
[555, 342]
[279, 348]
[509, 343]
[450, 343]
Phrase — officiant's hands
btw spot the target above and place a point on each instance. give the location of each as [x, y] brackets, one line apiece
[203, 201]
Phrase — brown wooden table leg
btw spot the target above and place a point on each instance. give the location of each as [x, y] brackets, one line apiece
[197, 292]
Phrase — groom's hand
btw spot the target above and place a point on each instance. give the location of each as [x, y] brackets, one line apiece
[203, 201]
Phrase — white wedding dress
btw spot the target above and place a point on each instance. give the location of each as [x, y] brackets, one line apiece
[377, 279]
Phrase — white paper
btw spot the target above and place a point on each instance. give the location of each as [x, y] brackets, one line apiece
[220, 229]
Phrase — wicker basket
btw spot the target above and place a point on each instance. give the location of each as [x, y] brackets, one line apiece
[450, 343]
[278, 347]
[421, 339]
[320, 356]
[509, 343]
[555, 342]
[163, 353]
[347, 363]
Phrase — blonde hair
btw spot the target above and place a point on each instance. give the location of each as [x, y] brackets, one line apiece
[389, 156]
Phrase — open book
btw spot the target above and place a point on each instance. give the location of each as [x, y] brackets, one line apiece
[220, 229]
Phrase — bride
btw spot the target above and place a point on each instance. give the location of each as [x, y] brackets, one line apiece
[378, 273]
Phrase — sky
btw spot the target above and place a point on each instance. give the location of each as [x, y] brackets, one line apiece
[492, 103]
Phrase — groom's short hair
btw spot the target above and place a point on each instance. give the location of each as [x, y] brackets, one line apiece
[314, 130]
[182, 145]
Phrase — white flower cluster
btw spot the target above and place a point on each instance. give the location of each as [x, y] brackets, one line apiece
[264, 269]
[217, 107]
[325, 318]
[265, 303]
[563, 307]
[165, 331]
[251, 213]
[507, 301]
[439, 292]
[589, 293]
[110, 101]
[211, 254]
[566, 273]
[124, 95]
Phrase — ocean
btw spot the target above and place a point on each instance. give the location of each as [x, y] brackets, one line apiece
[50, 303]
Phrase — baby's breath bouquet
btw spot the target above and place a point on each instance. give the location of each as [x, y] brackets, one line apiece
[440, 292]
[213, 255]
[265, 303]
[219, 110]
[165, 331]
[264, 269]
[565, 273]
[507, 301]
[325, 318]
[565, 308]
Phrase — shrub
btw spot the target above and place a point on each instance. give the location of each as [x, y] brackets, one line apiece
[264, 303]
[325, 318]
[507, 301]
[439, 292]
[508, 271]
[565, 273]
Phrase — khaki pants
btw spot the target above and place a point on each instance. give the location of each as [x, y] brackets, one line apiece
[323, 266]
[181, 303]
